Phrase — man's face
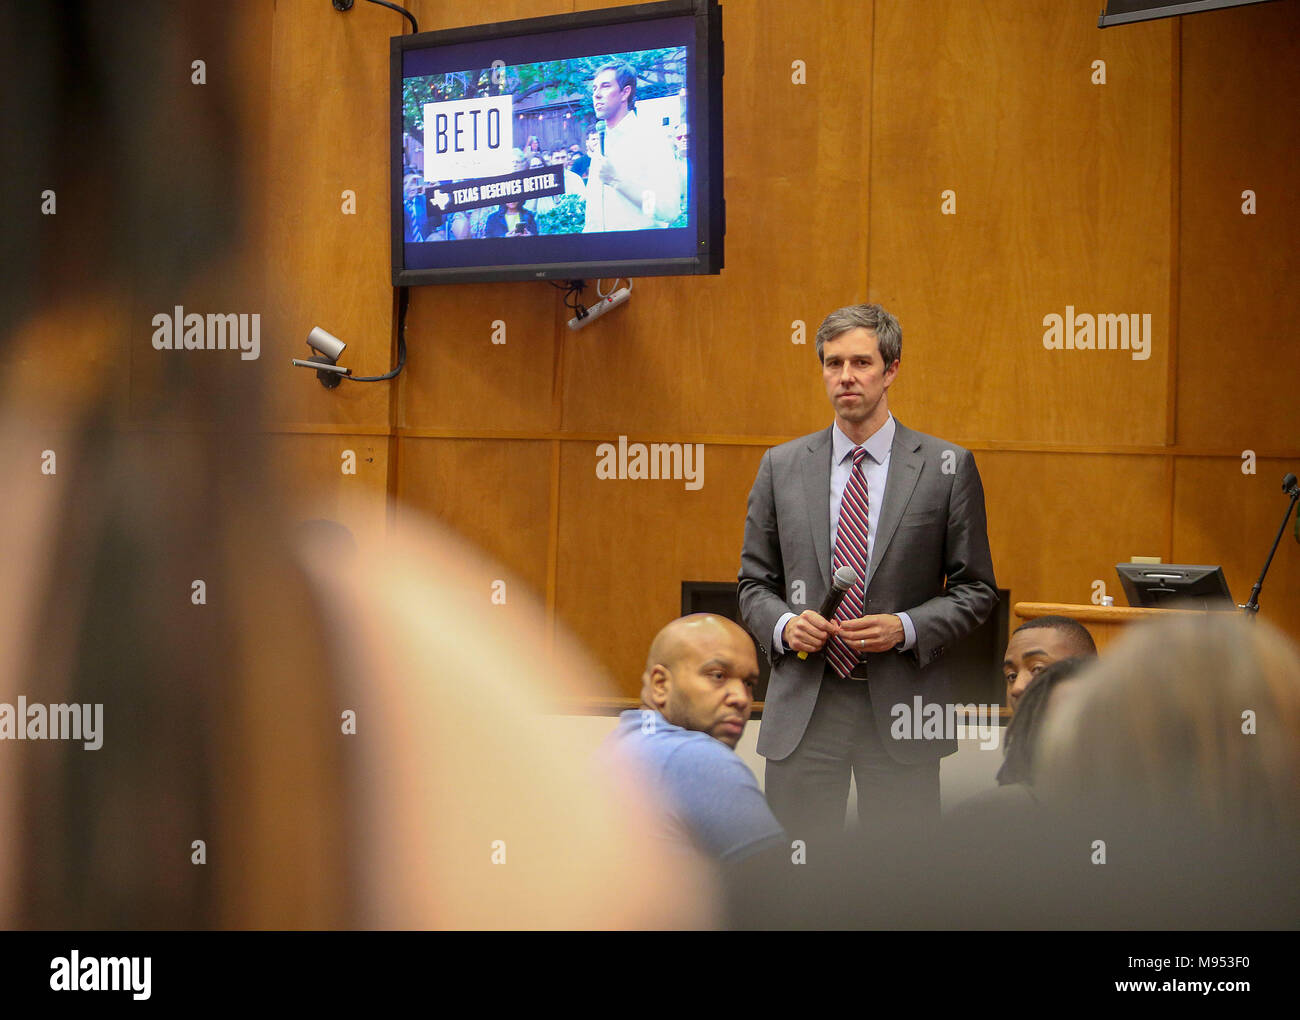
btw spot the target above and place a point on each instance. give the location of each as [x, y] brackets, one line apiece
[1029, 652]
[606, 97]
[682, 138]
[855, 377]
[460, 228]
[558, 157]
[412, 186]
[710, 687]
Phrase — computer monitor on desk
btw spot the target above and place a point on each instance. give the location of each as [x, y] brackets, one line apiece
[1175, 586]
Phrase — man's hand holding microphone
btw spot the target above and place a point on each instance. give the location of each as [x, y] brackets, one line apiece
[809, 631]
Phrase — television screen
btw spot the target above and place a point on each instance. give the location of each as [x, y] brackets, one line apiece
[569, 147]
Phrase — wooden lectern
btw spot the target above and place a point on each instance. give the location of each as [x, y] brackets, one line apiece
[1105, 623]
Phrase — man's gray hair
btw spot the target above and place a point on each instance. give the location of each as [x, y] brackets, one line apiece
[872, 318]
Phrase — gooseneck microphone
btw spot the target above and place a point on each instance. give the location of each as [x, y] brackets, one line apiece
[845, 578]
[1291, 489]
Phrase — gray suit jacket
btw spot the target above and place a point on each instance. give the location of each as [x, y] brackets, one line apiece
[931, 560]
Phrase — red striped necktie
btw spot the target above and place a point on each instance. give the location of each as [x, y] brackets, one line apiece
[850, 550]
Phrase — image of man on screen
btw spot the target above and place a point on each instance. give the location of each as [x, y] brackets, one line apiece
[633, 182]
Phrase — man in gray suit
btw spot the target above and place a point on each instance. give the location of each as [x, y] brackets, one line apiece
[906, 511]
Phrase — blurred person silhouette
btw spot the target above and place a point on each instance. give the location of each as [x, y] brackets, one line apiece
[1186, 718]
[590, 147]
[221, 715]
[460, 227]
[417, 222]
[1166, 777]
[1182, 753]
[573, 184]
[681, 158]
[535, 162]
[578, 163]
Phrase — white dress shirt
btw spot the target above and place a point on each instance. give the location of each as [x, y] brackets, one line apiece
[640, 152]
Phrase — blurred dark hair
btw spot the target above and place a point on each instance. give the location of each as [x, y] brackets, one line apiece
[217, 717]
[99, 109]
[1189, 717]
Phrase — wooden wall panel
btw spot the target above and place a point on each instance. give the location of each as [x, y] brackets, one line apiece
[309, 472]
[709, 356]
[1059, 521]
[995, 102]
[627, 544]
[1239, 372]
[329, 129]
[439, 14]
[1223, 516]
[456, 377]
[495, 493]
[1067, 193]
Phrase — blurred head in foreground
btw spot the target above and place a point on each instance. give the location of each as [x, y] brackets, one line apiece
[297, 731]
[1189, 719]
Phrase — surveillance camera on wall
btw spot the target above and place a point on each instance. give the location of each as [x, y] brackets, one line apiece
[329, 349]
[325, 343]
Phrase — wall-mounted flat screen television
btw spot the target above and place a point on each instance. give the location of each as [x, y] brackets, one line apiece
[568, 147]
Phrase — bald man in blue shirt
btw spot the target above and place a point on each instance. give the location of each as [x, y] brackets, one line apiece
[697, 691]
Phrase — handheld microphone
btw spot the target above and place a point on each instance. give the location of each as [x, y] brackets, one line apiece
[602, 137]
[845, 578]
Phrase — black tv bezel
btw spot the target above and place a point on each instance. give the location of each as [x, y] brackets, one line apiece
[1134, 584]
[705, 82]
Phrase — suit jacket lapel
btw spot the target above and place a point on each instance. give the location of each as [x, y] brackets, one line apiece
[904, 469]
[817, 497]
